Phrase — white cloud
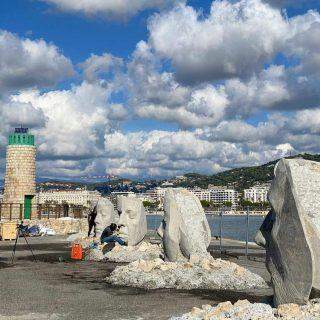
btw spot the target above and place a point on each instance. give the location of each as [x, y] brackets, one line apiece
[26, 63]
[162, 153]
[155, 94]
[235, 40]
[16, 113]
[78, 130]
[76, 120]
[96, 67]
[112, 9]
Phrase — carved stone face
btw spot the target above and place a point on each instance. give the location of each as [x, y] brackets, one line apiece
[289, 235]
[133, 216]
[185, 230]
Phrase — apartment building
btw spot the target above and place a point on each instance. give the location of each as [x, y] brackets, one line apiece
[256, 194]
[74, 197]
[202, 194]
[221, 195]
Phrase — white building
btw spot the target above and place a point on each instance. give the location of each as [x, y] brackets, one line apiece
[144, 197]
[75, 197]
[123, 193]
[256, 194]
[202, 194]
[156, 194]
[221, 195]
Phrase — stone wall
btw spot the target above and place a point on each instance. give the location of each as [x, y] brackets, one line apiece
[62, 226]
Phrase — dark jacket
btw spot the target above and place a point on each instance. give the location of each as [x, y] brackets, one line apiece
[107, 232]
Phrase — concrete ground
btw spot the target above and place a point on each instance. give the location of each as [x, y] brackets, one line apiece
[55, 287]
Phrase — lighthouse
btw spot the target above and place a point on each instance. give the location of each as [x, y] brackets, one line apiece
[20, 178]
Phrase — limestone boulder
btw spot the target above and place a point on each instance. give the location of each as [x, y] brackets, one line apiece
[133, 216]
[106, 214]
[184, 230]
[291, 231]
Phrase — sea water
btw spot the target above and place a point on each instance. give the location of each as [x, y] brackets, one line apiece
[233, 226]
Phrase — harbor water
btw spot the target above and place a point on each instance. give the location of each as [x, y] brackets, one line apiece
[233, 226]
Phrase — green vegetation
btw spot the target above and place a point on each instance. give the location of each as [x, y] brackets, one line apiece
[227, 204]
[205, 203]
[151, 205]
[239, 178]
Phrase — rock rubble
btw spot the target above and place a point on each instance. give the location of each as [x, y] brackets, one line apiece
[214, 274]
[244, 310]
[144, 251]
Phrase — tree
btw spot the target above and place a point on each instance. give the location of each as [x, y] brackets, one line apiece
[205, 203]
[147, 204]
[151, 205]
[246, 203]
[227, 204]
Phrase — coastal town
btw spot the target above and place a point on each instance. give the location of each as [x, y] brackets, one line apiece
[159, 160]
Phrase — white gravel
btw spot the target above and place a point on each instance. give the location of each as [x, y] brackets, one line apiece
[211, 273]
[244, 310]
[144, 251]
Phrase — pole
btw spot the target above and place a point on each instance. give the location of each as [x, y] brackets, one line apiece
[247, 232]
[221, 227]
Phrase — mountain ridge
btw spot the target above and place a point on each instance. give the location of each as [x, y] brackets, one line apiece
[239, 178]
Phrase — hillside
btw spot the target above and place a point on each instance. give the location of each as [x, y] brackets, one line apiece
[239, 178]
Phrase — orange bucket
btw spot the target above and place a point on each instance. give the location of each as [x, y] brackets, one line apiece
[76, 252]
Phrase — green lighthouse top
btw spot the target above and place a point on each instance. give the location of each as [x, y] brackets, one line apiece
[21, 136]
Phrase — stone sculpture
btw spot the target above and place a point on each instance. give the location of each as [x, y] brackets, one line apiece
[105, 215]
[133, 217]
[185, 230]
[291, 231]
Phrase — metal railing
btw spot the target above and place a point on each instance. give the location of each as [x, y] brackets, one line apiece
[16, 211]
[226, 223]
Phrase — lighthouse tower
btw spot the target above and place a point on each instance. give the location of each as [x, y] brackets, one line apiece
[20, 183]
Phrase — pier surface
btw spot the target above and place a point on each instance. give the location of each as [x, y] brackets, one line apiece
[57, 288]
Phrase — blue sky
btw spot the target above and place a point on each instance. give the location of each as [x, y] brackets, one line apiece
[160, 88]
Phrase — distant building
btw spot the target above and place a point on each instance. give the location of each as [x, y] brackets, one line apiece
[156, 194]
[256, 194]
[202, 194]
[144, 197]
[167, 184]
[114, 194]
[221, 195]
[74, 197]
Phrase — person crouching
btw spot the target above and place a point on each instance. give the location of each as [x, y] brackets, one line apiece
[109, 235]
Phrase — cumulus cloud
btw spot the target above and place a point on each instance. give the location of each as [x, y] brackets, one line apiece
[156, 94]
[211, 75]
[76, 120]
[16, 113]
[159, 94]
[119, 9]
[26, 63]
[96, 66]
[162, 153]
[236, 39]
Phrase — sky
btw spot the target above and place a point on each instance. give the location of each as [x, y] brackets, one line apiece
[158, 88]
